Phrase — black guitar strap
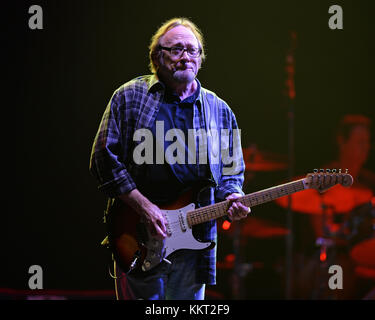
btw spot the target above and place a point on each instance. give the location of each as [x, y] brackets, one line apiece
[211, 114]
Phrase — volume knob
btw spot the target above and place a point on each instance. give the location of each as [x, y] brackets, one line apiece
[146, 265]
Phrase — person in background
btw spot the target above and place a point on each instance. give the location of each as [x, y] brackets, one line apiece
[328, 225]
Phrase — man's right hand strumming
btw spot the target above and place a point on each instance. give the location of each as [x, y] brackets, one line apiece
[149, 211]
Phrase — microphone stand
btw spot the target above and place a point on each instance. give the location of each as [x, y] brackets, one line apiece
[291, 93]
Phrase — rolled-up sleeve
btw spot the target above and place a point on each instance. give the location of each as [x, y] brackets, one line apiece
[109, 151]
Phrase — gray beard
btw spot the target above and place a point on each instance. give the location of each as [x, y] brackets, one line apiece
[184, 76]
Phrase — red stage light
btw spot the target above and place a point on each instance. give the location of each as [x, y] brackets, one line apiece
[226, 225]
[323, 256]
[230, 258]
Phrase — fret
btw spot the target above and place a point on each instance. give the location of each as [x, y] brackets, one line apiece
[218, 210]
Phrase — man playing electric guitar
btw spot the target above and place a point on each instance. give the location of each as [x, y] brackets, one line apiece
[161, 135]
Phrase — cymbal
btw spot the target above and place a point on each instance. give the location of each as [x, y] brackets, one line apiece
[258, 228]
[262, 161]
[337, 199]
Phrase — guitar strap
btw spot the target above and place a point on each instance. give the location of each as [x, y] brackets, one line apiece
[212, 121]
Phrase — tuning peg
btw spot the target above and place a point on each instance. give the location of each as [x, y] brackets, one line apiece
[321, 170]
[315, 170]
[328, 170]
[339, 170]
[346, 170]
[334, 170]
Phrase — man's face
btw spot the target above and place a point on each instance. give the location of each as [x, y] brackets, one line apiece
[357, 146]
[182, 68]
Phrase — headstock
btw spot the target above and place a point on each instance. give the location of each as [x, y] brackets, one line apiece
[322, 180]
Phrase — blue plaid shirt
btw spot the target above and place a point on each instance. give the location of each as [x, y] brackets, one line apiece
[135, 106]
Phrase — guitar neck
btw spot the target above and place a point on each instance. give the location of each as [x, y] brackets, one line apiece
[219, 209]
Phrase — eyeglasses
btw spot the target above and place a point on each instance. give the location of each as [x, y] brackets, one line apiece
[178, 51]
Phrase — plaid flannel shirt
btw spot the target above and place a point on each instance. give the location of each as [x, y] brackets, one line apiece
[134, 106]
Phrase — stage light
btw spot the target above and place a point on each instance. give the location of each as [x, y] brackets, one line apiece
[226, 225]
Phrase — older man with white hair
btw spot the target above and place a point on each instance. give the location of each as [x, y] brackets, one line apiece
[171, 98]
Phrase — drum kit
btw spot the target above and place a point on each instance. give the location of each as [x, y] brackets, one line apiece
[342, 220]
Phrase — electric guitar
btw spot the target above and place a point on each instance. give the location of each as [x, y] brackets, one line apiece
[136, 249]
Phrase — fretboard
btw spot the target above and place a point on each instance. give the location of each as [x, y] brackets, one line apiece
[219, 209]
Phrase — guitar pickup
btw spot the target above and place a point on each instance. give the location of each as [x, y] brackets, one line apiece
[182, 222]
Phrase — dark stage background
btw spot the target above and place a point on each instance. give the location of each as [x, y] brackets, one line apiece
[61, 78]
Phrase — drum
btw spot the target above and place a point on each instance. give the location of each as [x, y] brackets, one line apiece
[361, 224]
[362, 252]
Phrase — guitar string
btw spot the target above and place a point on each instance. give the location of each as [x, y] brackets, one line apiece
[217, 210]
[260, 197]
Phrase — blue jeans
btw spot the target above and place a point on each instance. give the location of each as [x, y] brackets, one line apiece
[174, 281]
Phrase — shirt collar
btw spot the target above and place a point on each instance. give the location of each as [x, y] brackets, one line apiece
[154, 84]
